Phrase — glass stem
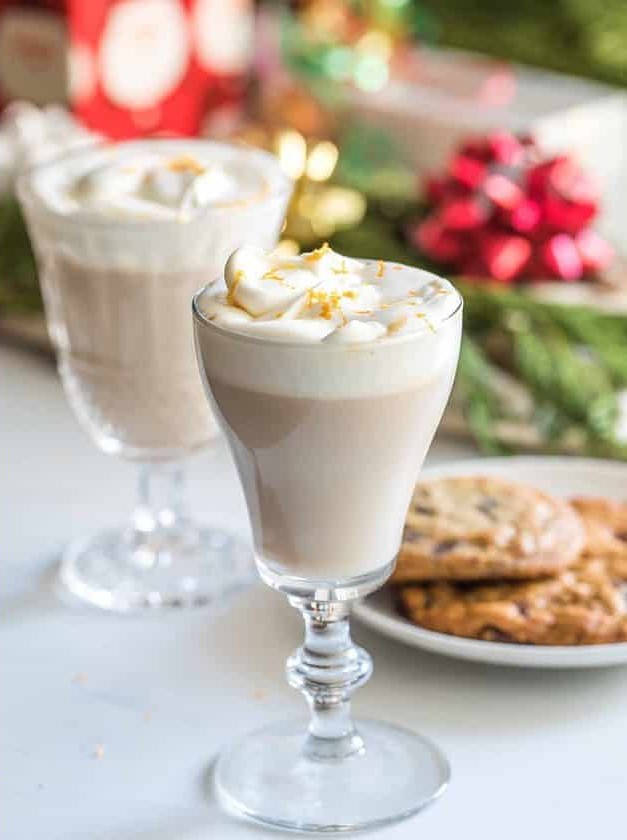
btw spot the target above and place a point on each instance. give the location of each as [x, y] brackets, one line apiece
[159, 518]
[327, 669]
[161, 490]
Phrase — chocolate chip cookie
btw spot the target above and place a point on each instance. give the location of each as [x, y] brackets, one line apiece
[582, 605]
[605, 525]
[485, 528]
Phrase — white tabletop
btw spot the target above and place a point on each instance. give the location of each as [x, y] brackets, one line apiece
[535, 754]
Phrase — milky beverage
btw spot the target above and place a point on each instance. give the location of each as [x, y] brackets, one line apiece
[124, 236]
[329, 377]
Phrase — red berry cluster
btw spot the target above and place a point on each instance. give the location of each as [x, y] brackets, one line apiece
[503, 212]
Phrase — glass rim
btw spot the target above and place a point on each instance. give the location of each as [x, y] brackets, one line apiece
[277, 182]
[316, 346]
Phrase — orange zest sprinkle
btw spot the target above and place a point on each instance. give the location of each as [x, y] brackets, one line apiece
[239, 276]
[380, 269]
[329, 302]
[273, 274]
[397, 325]
[350, 295]
[318, 254]
[185, 163]
[426, 320]
[342, 269]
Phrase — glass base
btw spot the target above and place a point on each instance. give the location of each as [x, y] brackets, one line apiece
[267, 778]
[117, 570]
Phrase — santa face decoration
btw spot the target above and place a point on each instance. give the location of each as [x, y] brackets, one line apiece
[129, 67]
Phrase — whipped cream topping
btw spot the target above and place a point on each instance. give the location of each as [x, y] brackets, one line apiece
[125, 182]
[322, 296]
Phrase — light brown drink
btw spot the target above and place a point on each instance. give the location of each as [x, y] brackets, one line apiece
[118, 265]
[328, 477]
[126, 355]
[328, 481]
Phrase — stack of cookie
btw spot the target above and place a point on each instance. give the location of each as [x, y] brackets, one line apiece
[499, 561]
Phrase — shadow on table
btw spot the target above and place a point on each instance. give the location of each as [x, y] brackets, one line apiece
[45, 596]
[212, 826]
[255, 638]
[207, 822]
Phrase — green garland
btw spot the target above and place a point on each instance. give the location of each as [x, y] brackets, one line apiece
[549, 369]
[19, 289]
[571, 360]
[581, 37]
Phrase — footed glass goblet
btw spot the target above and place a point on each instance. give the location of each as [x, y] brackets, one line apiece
[328, 439]
[117, 272]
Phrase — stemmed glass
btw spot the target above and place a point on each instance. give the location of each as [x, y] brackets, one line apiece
[328, 440]
[116, 293]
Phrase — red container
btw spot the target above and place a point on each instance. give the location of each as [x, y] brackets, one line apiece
[129, 67]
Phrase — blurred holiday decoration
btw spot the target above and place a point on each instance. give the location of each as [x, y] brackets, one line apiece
[358, 106]
[533, 375]
[363, 43]
[123, 68]
[313, 62]
[503, 212]
[544, 376]
[129, 67]
[583, 37]
[30, 135]
[290, 105]
[318, 207]
[421, 102]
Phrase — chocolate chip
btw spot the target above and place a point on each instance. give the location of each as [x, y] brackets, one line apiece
[424, 510]
[621, 535]
[488, 506]
[411, 536]
[493, 634]
[429, 598]
[444, 546]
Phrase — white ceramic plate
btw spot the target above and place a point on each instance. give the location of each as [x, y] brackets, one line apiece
[561, 476]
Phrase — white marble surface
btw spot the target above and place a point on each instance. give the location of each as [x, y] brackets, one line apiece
[534, 754]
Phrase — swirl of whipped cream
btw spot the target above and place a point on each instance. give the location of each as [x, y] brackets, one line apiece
[323, 296]
[158, 184]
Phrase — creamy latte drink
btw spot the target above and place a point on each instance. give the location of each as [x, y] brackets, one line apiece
[329, 375]
[124, 235]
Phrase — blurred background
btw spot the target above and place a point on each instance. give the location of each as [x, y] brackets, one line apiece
[480, 139]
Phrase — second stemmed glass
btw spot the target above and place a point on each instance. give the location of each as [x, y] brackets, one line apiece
[116, 293]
